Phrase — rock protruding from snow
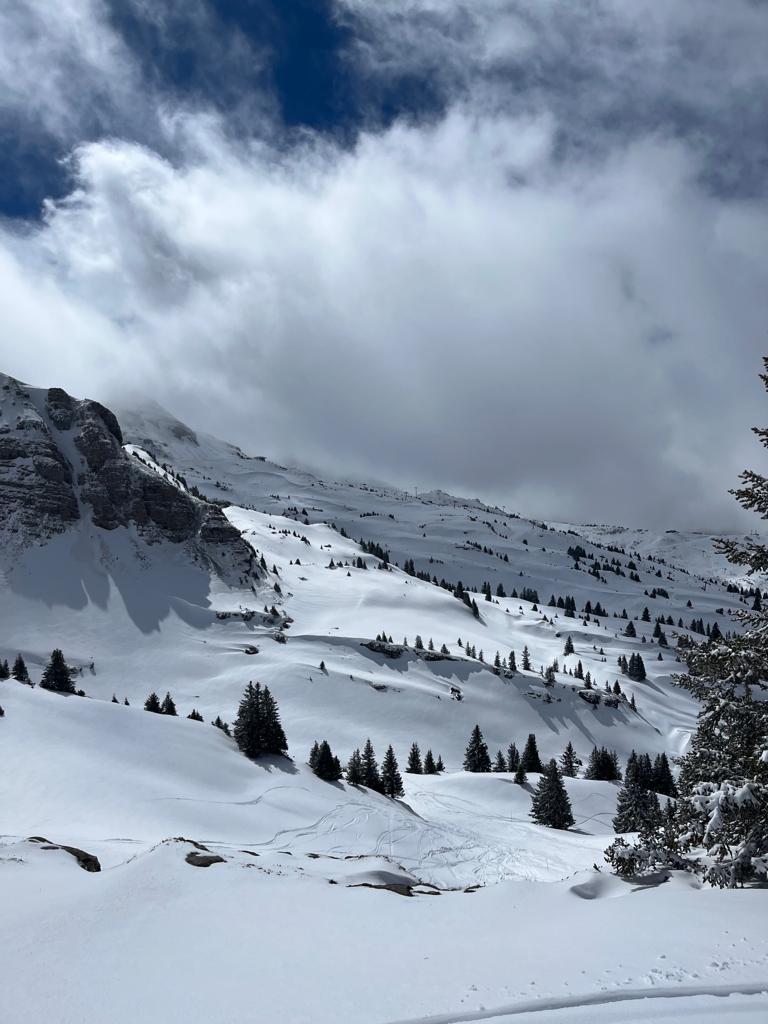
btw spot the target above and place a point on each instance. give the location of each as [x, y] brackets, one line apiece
[62, 459]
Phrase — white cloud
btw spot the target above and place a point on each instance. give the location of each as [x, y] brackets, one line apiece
[448, 303]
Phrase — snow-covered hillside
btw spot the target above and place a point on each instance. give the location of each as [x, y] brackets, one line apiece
[311, 877]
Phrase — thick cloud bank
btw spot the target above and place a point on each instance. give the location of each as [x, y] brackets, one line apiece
[546, 290]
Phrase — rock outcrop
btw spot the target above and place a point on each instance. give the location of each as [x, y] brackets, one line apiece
[62, 460]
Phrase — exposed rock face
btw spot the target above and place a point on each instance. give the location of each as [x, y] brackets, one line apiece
[61, 459]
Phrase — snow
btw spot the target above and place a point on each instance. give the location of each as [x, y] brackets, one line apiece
[507, 920]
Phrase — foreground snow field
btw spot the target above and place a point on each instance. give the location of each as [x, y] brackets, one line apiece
[268, 938]
[327, 902]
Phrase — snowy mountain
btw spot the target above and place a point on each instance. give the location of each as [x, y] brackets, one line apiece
[161, 559]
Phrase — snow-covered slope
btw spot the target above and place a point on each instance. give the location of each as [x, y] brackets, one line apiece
[177, 940]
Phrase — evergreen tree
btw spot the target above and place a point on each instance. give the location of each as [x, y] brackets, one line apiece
[635, 668]
[512, 662]
[57, 675]
[526, 660]
[274, 736]
[551, 806]
[636, 807]
[662, 779]
[570, 762]
[429, 764]
[568, 649]
[152, 703]
[477, 758]
[5, 672]
[439, 764]
[530, 759]
[391, 782]
[326, 764]
[500, 764]
[257, 729]
[114, 699]
[313, 755]
[602, 765]
[371, 777]
[520, 775]
[355, 769]
[645, 771]
[195, 715]
[19, 670]
[414, 761]
[221, 725]
[630, 630]
[513, 758]
[168, 707]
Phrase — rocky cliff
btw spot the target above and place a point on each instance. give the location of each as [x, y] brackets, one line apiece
[62, 461]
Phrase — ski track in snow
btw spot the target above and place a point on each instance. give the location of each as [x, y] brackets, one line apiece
[551, 1004]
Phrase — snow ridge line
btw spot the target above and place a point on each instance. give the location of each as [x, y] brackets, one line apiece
[596, 999]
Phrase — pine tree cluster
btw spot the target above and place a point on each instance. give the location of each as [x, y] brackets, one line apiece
[257, 729]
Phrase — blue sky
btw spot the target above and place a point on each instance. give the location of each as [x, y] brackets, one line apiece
[232, 56]
[514, 247]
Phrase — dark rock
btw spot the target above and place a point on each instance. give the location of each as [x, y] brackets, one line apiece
[590, 696]
[87, 861]
[62, 458]
[203, 860]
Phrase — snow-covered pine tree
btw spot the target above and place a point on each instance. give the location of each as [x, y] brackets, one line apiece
[152, 703]
[513, 758]
[551, 805]
[57, 675]
[500, 764]
[391, 780]
[520, 776]
[724, 775]
[414, 766]
[429, 764]
[723, 783]
[312, 759]
[530, 759]
[477, 758]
